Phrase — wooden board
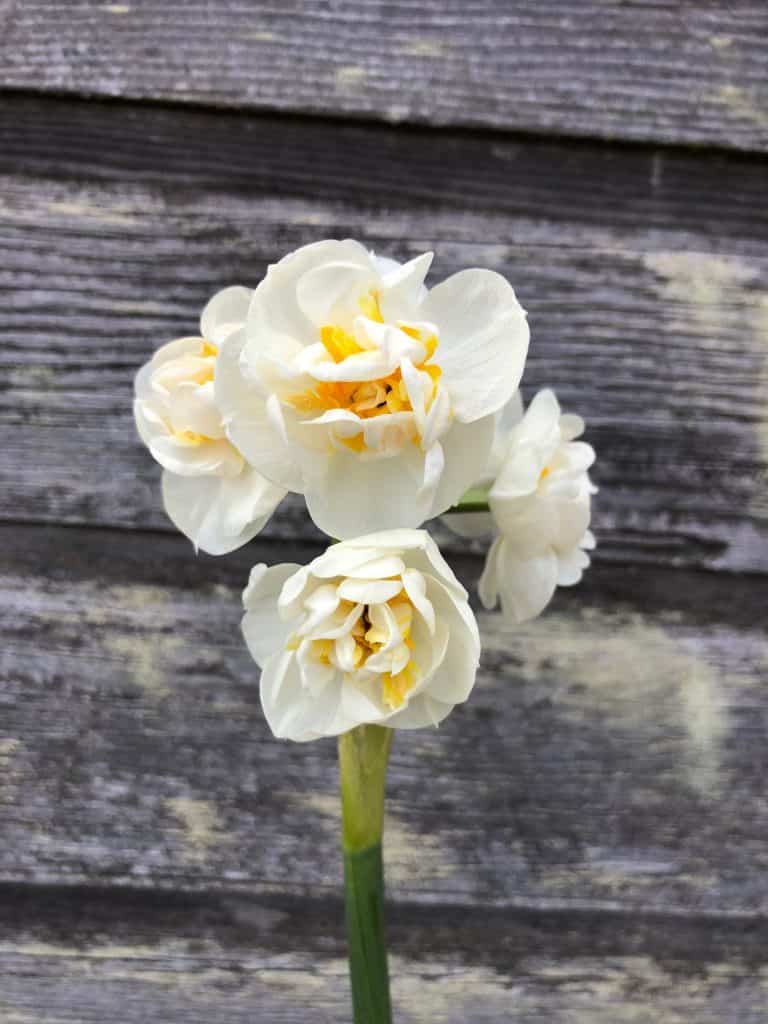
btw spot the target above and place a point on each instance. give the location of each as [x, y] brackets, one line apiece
[664, 71]
[74, 956]
[650, 318]
[585, 841]
[612, 755]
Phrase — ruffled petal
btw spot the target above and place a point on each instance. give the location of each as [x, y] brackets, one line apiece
[354, 496]
[225, 313]
[247, 418]
[264, 630]
[483, 340]
[525, 585]
[276, 322]
[465, 447]
[220, 514]
[291, 712]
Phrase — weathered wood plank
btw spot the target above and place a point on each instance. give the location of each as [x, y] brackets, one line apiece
[653, 327]
[664, 71]
[612, 755]
[75, 955]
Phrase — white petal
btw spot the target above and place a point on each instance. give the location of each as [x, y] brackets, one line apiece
[526, 585]
[419, 713]
[369, 591]
[361, 702]
[472, 525]
[573, 521]
[378, 568]
[488, 585]
[315, 674]
[520, 473]
[576, 456]
[542, 417]
[402, 288]
[345, 651]
[219, 514]
[275, 319]
[330, 293]
[264, 630]
[247, 420]
[465, 447]
[291, 712]
[483, 340]
[337, 625]
[320, 606]
[570, 566]
[204, 458]
[355, 496]
[434, 463]
[343, 559]
[507, 418]
[225, 313]
[427, 558]
[571, 426]
[194, 408]
[416, 589]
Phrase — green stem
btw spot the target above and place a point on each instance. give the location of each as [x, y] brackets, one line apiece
[363, 754]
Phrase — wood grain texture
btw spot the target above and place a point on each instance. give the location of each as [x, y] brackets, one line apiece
[663, 71]
[73, 955]
[648, 299]
[612, 755]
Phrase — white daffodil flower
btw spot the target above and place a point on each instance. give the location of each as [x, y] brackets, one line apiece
[359, 388]
[541, 504]
[209, 491]
[375, 630]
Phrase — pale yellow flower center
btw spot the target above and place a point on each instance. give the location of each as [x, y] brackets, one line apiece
[369, 640]
[370, 397]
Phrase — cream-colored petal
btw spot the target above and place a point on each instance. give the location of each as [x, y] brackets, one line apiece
[483, 340]
[219, 514]
[369, 591]
[264, 629]
[225, 313]
[247, 419]
[465, 447]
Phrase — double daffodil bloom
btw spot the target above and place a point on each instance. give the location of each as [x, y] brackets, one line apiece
[356, 386]
[375, 630]
[541, 505]
[209, 491]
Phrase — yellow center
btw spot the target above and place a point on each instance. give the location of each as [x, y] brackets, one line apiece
[368, 640]
[364, 398]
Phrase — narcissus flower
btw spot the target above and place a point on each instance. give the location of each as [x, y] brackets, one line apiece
[359, 388]
[541, 504]
[375, 630]
[210, 492]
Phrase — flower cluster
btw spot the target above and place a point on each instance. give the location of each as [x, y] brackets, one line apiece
[343, 378]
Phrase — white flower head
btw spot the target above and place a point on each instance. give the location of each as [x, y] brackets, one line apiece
[376, 629]
[210, 492]
[359, 388]
[541, 505]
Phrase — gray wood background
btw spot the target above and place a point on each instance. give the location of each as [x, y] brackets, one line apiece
[586, 842]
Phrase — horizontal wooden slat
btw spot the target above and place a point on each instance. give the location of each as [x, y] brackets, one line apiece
[612, 755]
[647, 297]
[76, 955]
[663, 71]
